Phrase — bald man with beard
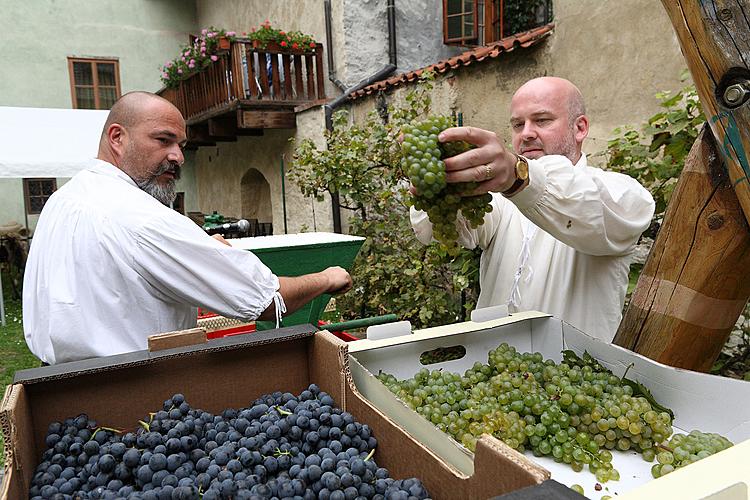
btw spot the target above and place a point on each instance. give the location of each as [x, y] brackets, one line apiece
[561, 233]
[111, 263]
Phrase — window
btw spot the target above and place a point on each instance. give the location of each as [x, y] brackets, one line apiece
[479, 22]
[36, 192]
[94, 83]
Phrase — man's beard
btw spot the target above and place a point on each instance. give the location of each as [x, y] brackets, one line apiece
[164, 193]
[565, 146]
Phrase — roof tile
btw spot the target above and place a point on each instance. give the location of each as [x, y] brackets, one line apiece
[491, 51]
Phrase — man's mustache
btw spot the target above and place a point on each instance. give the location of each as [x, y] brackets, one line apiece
[174, 168]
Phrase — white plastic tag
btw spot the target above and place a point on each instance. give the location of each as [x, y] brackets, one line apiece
[389, 330]
[489, 313]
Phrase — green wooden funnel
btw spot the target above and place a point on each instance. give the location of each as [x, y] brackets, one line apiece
[298, 254]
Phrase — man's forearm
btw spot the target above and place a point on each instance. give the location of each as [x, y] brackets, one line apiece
[297, 291]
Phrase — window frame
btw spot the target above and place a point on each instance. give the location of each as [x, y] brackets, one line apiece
[179, 202]
[461, 40]
[27, 193]
[489, 22]
[94, 61]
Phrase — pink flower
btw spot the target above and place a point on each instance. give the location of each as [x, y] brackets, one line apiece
[214, 58]
[164, 75]
[191, 65]
[179, 71]
[169, 64]
[183, 59]
[192, 61]
[204, 31]
[231, 33]
[203, 50]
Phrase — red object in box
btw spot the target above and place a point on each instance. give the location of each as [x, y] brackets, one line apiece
[250, 328]
[342, 335]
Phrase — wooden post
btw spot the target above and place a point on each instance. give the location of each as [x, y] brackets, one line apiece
[715, 39]
[696, 280]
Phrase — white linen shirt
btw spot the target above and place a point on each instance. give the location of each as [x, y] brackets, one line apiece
[109, 265]
[562, 246]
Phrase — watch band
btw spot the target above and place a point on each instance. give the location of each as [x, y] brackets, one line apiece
[515, 187]
[521, 176]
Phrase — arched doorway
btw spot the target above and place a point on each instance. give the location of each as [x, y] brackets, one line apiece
[256, 199]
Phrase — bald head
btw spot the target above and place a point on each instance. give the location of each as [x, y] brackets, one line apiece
[548, 117]
[132, 108]
[143, 136]
[556, 88]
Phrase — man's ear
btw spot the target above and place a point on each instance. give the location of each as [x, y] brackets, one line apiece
[581, 128]
[116, 135]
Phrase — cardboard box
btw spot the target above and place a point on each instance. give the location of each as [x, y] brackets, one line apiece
[230, 373]
[705, 402]
[724, 476]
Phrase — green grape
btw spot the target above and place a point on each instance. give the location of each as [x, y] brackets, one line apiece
[422, 157]
[665, 457]
[577, 488]
[573, 414]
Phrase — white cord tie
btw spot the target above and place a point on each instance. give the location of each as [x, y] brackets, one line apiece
[514, 300]
[278, 302]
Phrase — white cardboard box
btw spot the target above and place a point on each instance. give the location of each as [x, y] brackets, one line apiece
[700, 401]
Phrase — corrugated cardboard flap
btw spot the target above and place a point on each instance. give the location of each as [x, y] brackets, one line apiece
[139, 358]
[14, 409]
[6, 421]
[497, 468]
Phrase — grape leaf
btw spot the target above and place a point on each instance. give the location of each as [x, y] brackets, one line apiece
[572, 359]
[641, 390]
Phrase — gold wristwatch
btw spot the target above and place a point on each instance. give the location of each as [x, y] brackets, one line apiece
[522, 175]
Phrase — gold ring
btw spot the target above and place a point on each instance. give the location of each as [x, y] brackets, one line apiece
[488, 172]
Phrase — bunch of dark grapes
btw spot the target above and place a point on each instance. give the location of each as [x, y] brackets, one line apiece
[573, 414]
[281, 446]
[422, 160]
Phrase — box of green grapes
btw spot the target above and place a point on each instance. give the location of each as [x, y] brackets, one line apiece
[600, 418]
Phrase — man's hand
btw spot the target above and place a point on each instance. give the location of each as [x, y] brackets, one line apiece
[489, 164]
[220, 238]
[339, 280]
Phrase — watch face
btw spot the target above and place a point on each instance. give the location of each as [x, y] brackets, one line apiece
[522, 168]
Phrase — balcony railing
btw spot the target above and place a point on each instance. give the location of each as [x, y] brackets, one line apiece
[247, 78]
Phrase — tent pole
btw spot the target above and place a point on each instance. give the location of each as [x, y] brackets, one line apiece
[2, 302]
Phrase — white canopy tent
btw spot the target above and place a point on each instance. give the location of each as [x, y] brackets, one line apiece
[45, 142]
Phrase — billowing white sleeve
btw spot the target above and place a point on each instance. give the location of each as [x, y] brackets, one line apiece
[594, 211]
[186, 265]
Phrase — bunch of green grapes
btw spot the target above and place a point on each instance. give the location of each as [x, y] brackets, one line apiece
[573, 414]
[422, 160]
[684, 449]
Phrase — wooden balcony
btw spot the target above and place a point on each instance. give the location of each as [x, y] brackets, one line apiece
[247, 90]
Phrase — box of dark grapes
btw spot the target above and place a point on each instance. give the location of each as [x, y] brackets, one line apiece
[268, 415]
[602, 419]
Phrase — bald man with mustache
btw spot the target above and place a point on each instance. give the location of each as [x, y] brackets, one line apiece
[561, 233]
[111, 263]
